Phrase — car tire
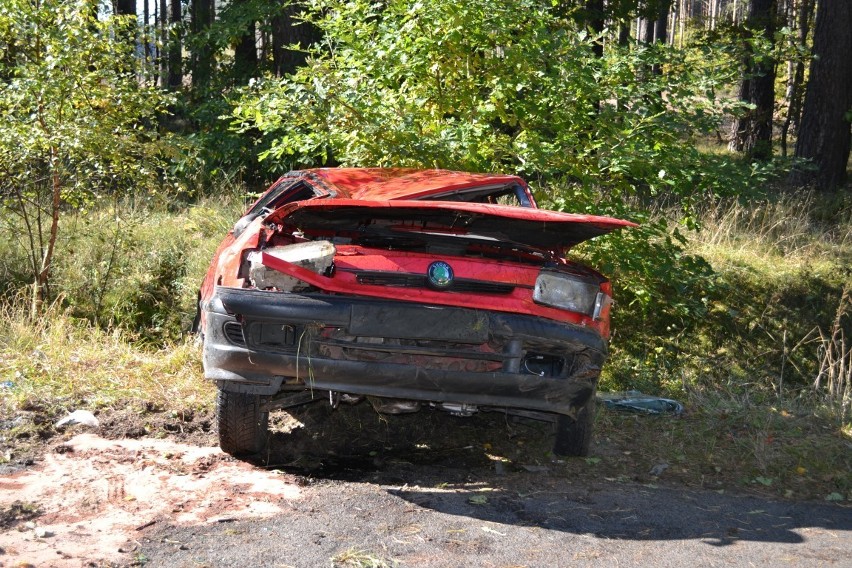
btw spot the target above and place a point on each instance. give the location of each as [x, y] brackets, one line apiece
[574, 436]
[241, 423]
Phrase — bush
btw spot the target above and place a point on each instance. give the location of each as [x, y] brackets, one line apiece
[139, 269]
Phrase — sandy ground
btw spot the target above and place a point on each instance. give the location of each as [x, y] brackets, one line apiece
[95, 495]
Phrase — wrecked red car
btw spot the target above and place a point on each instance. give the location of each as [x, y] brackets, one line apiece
[408, 288]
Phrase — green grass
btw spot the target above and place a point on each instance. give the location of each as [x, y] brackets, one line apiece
[787, 266]
[790, 450]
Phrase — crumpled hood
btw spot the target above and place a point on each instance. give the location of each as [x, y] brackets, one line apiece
[549, 230]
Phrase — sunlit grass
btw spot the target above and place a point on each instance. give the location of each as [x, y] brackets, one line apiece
[58, 362]
[778, 238]
[792, 449]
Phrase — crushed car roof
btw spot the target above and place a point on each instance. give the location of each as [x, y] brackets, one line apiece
[395, 183]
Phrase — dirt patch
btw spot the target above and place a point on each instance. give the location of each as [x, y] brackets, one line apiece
[90, 497]
[71, 498]
[31, 432]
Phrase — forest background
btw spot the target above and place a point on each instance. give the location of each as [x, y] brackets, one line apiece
[135, 132]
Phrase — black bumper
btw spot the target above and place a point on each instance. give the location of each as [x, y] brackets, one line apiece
[257, 341]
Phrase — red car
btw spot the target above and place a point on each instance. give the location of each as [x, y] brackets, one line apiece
[408, 288]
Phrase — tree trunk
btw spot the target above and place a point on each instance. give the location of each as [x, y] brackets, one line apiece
[125, 7]
[128, 30]
[42, 279]
[825, 132]
[245, 52]
[175, 44]
[146, 16]
[648, 24]
[624, 33]
[203, 14]
[752, 132]
[661, 31]
[661, 28]
[592, 16]
[163, 41]
[288, 30]
[795, 88]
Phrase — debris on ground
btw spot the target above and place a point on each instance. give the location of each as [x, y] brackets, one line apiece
[85, 504]
[658, 469]
[83, 417]
[635, 401]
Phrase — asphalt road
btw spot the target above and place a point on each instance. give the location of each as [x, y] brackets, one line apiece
[438, 515]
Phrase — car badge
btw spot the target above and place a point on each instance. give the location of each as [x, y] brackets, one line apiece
[440, 274]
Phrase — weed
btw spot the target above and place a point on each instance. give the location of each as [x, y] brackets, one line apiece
[359, 559]
[18, 512]
[835, 372]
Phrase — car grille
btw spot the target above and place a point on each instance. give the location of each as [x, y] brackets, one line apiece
[402, 280]
[234, 332]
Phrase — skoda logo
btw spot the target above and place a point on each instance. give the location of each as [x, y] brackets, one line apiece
[440, 274]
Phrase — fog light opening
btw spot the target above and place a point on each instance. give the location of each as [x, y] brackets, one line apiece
[543, 365]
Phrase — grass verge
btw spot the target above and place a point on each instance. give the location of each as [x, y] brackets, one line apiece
[61, 363]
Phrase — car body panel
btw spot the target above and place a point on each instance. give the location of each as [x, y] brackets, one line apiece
[379, 184]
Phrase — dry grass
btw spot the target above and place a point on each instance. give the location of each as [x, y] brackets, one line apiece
[777, 237]
[60, 361]
[835, 373]
[359, 559]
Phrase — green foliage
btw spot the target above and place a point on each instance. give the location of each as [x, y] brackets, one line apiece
[70, 88]
[76, 120]
[494, 86]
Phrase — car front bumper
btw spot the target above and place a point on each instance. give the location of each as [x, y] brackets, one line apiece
[264, 342]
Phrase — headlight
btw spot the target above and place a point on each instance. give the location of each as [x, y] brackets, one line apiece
[316, 256]
[570, 293]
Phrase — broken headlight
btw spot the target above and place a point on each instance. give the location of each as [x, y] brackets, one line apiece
[569, 292]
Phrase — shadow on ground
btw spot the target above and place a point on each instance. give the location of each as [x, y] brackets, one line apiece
[498, 468]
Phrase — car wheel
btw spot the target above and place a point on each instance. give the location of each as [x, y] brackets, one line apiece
[241, 422]
[574, 437]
